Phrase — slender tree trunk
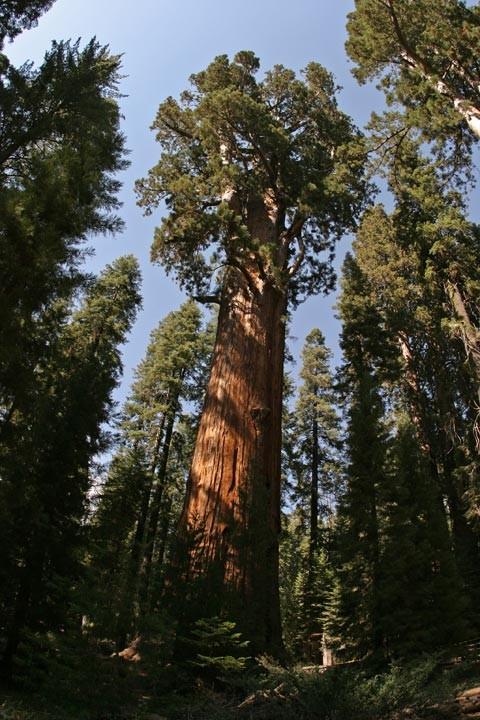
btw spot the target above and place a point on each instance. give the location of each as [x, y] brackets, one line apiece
[154, 514]
[30, 582]
[311, 616]
[465, 540]
[418, 415]
[125, 616]
[158, 575]
[232, 508]
[469, 332]
[415, 400]
[314, 495]
[465, 543]
[374, 543]
[468, 110]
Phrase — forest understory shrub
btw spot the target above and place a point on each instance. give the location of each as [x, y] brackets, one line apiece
[107, 688]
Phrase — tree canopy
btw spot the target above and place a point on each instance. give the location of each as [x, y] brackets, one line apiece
[231, 140]
[19, 15]
[425, 55]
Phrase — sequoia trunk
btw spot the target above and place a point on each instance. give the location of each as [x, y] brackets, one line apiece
[232, 509]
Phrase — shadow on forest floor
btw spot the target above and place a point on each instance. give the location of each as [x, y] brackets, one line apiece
[103, 687]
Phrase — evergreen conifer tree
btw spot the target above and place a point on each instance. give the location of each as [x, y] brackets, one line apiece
[59, 149]
[19, 15]
[146, 479]
[356, 626]
[418, 263]
[46, 465]
[397, 349]
[314, 431]
[425, 55]
[259, 178]
[422, 604]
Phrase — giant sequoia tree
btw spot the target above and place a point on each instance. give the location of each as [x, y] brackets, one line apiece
[259, 178]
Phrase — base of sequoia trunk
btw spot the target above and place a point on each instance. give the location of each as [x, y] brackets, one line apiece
[231, 519]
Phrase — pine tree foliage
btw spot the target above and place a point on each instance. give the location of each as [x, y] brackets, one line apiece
[232, 136]
[355, 625]
[60, 147]
[218, 645]
[46, 458]
[397, 348]
[425, 55]
[305, 588]
[19, 15]
[60, 330]
[313, 437]
[379, 546]
[420, 269]
[316, 433]
[144, 489]
[422, 604]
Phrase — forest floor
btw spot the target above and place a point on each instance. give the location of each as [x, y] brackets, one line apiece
[439, 687]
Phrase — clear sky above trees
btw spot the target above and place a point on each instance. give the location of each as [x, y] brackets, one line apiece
[162, 44]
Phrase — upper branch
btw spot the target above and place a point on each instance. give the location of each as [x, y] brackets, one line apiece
[294, 268]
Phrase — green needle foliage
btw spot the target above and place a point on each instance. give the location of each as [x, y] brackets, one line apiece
[422, 602]
[352, 618]
[217, 647]
[317, 434]
[60, 330]
[60, 146]
[232, 140]
[19, 15]
[258, 178]
[402, 513]
[140, 501]
[425, 54]
[314, 438]
[45, 465]
[420, 265]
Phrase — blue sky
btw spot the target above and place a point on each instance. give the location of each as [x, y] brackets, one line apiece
[162, 43]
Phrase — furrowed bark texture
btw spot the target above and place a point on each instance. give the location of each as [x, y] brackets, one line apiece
[232, 509]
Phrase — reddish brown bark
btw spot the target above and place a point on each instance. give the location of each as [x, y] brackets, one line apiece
[231, 515]
[233, 499]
